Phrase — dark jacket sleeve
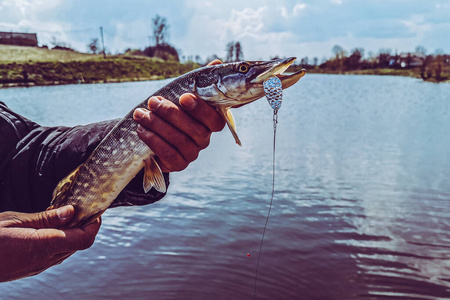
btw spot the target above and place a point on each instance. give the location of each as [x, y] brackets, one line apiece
[33, 159]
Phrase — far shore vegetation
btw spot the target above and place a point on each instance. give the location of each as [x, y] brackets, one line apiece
[429, 67]
[25, 65]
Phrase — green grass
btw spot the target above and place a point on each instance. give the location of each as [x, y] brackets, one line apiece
[38, 66]
[10, 54]
[412, 72]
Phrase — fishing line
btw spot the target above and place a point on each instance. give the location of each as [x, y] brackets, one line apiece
[274, 94]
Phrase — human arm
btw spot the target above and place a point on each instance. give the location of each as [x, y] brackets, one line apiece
[33, 242]
[39, 157]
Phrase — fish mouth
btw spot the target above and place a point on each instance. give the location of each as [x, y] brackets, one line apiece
[276, 68]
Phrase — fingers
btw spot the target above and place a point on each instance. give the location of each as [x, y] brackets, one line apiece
[174, 135]
[55, 218]
[215, 62]
[202, 112]
[171, 113]
[174, 148]
[83, 238]
[75, 239]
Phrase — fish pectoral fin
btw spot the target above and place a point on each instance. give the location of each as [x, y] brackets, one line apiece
[153, 176]
[229, 119]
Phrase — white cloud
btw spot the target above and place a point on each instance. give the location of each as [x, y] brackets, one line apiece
[203, 27]
[298, 8]
[284, 12]
[417, 25]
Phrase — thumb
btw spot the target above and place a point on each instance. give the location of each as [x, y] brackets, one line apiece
[54, 218]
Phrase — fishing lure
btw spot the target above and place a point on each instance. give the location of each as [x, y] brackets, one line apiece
[274, 94]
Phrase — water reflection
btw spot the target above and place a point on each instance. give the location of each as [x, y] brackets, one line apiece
[360, 211]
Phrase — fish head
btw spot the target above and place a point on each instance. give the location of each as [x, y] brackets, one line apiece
[236, 84]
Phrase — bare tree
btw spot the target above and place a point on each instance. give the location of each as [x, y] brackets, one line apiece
[315, 61]
[230, 51]
[338, 51]
[59, 44]
[421, 49]
[304, 61]
[238, 51]
[384, 56]
[358, 52]
[160, 29]
[93, 45]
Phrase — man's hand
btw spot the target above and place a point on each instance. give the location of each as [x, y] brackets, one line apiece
[32, 243]
[176, 135]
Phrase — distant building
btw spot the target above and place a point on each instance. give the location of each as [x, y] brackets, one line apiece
[407, 60]
[18, 39]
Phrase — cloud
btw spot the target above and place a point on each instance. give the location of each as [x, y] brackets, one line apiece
[291, 27]
[298, 8]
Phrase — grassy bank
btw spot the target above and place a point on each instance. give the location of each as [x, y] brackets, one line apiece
[426, 74]
[28, 66]
[109, 70]
[381, 71]
[20, 54]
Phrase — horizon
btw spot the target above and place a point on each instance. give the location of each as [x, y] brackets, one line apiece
[200, 27]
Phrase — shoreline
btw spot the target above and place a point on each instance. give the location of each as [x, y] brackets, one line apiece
[54, 83]
[412, 72]
[111, 70]
[129, 70]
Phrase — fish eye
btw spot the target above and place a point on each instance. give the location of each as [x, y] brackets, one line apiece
[243, 68]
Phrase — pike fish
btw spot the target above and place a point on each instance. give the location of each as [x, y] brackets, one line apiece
[119, 157]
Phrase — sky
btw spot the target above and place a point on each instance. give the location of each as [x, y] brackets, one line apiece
[303, 28]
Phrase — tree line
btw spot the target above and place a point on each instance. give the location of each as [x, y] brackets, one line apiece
[434, 66]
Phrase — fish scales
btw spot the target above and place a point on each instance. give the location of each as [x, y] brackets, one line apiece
[120, 156]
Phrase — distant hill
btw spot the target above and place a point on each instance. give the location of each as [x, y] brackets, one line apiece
[28, 66]
[10, 53]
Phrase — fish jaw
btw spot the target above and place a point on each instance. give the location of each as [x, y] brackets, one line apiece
[291, 79]
[234, 88]
[273, 68]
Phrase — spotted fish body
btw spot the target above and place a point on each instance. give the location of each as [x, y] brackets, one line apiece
[119, 157]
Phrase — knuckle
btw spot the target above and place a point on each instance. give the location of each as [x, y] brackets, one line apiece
[87, 242]
[168, 108]
[192, 154]
[218, 125]
[9, 218]
[184, 142]
[204, 142]
[148, 119]
[182, 165]
[177, 164]
[201, 133]
[147, 137]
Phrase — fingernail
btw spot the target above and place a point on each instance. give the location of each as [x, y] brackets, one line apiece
[154, 103]
[140, 129]
[139, 113]
[188, 102]
[63, 212]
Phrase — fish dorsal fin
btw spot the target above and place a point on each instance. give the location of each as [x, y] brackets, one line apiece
[228, 117]
[153, 176]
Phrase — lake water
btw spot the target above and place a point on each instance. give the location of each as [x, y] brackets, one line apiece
[361, 208]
